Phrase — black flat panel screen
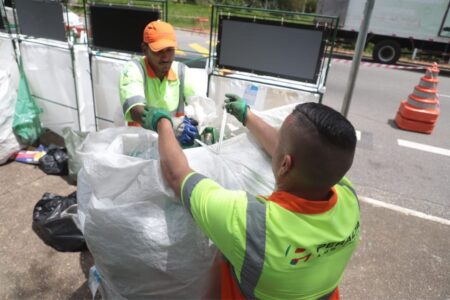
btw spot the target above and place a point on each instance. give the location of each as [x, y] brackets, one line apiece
[42, 19]
[120, 27]
[291, 51]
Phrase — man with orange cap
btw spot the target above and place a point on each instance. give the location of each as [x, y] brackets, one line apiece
[157, 81]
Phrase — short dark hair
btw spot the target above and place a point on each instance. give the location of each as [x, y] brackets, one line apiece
[331, 125]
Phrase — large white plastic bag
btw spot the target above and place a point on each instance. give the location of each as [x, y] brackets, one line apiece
[145, 245]
[9, 80]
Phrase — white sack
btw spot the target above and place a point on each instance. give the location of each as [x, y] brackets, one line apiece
[50, 77]
[144, 242]
[9, 81]
[84, 88]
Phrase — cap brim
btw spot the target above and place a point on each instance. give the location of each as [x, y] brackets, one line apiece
[162, 44]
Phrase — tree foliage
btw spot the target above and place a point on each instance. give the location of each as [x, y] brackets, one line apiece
[308, 6]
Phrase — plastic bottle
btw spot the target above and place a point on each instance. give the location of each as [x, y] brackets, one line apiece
[250, 94]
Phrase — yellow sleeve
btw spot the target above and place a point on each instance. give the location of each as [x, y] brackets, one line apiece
[131, 88]
[219, 212]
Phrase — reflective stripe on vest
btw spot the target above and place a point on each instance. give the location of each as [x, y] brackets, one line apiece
[255, 246]
[255, 240]
[189, 186]
[179, 111]
[132, 101]
[141, 69]
[180, 108]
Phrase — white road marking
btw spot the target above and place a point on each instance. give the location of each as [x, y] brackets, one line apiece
[358, 135]
[423, 147]
[403, 210]
[443, 95]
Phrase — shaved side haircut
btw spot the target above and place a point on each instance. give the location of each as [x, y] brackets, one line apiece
[322, 142]
[331, 125]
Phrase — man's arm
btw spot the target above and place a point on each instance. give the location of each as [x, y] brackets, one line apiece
[131, 92]
[265, 134]
[174, 164]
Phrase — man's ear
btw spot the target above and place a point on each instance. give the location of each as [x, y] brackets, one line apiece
[286, 165]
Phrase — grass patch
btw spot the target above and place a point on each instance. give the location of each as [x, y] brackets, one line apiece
[185, 15]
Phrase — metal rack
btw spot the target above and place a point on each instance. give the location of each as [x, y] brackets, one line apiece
[18, 38]
[115, 54]
[326, 23]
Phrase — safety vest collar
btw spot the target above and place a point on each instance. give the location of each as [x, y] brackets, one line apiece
[304, 206]
[171, 76]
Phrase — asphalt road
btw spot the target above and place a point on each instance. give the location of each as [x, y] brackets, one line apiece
[383, 169]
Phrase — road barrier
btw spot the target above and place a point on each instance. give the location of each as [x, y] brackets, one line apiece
[420, 111]
[378, 65]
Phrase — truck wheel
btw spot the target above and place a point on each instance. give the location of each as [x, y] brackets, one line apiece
[386, 52]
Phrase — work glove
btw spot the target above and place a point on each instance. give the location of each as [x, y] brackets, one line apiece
[152, 115]
[187, 132]
[210, 136]
[236, 106]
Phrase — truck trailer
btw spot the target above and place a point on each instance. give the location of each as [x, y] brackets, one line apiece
[394, 24]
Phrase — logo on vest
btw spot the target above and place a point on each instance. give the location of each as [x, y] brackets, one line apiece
[302, 255]
[326, 248]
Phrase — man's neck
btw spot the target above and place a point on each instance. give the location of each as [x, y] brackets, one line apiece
[160, 76]
[312, 195]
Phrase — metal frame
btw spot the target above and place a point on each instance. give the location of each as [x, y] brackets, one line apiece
[329, 24]
[162, 5]
[17, 38]
[3, 17]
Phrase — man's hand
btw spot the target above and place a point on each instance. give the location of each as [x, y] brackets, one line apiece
[237, 107]
[151, 117]
[187, 132]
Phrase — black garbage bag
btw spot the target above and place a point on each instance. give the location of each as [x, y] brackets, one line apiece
[55, 162]
[53, 223]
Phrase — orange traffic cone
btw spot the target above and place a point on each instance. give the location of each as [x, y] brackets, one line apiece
[421, 110]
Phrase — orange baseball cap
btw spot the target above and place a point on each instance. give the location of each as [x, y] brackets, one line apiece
[159, 35]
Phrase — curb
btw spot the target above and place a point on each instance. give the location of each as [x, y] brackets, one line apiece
[368, 61]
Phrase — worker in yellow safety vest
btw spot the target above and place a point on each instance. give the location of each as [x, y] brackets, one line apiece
[296, 242]
[157, 81]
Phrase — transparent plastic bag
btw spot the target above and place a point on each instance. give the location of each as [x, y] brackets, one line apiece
[72, 140]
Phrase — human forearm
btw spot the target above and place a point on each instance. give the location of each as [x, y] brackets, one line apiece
[174, 164]
[265, 134]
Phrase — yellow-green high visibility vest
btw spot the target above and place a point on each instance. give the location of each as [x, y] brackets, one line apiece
[138, 85]
[280, 246]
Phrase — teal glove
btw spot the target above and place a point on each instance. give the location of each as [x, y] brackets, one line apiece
[210, 135]
[237, 107]
[152, 115]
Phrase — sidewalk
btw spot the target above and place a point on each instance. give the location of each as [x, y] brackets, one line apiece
[399, 256]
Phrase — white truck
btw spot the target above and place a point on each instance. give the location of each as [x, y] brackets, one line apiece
[394, 24]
